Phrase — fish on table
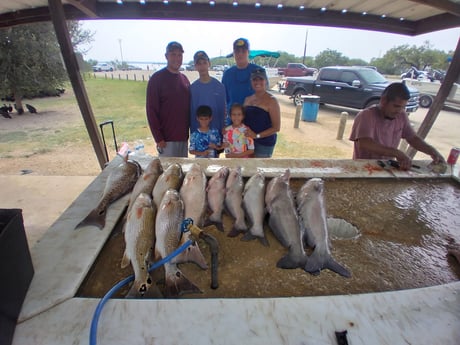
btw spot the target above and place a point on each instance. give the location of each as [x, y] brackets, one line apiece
[254, 207]
[311, 207]
[146, 181]
[120, 182]
[284, 221]
[215, 192]
[139, 243]
[168, 231]
[170, 178]
[193, 195]
[234, 201]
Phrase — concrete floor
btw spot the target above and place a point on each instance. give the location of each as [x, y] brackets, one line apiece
[42, 199]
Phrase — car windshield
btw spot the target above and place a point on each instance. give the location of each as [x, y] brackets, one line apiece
[373, 77]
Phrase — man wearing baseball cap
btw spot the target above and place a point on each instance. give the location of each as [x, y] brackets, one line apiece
[208, 91]
[237, 79]
[168, 105]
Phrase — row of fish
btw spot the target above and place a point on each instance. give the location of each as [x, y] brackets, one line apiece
[153, 224]
[294, 221]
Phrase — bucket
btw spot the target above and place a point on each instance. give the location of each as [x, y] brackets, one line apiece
[310, 108]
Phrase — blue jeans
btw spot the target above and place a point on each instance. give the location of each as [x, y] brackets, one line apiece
[262, 151]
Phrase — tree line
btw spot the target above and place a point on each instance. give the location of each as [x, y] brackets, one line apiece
[31, 63]
[394, 62]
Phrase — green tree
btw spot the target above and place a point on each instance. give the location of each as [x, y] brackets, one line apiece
[31, 62]
[400, 59]
[330, 57]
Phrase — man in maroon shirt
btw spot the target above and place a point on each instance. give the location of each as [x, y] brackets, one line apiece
[168, 105]
[378, 130]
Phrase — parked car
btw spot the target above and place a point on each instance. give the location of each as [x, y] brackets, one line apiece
[103, 67]
[296, 70]
[131, 68]
[353, 87]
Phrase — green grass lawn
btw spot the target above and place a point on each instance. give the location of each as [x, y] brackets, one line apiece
[123, 102]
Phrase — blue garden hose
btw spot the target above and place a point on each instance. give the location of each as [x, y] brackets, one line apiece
[97, 313]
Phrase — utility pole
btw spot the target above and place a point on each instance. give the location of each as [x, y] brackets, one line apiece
[305, 47]
[121, 50]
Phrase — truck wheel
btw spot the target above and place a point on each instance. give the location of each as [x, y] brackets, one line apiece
[425, 101]
[297, 99]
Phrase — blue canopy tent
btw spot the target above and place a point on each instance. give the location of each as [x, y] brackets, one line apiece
[265, 54]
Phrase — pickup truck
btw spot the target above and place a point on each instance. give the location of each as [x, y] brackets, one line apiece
[296, 70]
[346, 86]
[428, 91]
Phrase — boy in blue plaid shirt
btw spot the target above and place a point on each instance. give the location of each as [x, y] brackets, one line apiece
[205, 141]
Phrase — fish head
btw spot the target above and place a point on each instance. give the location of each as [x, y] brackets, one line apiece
[313, 187]
[132, 164]
[258, 179]
[154, 167]
[223, 172]
[234, 176]
[277, 186]
[143, 200]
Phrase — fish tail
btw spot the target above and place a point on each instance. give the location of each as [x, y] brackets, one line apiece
[291, 261]
[96, 217]
[337, 268]
[177, 284]
[316, 263]
[217, 223]
[249, 237]
[139, 288]
[192, 254]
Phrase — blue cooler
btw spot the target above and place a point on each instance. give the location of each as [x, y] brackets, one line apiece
[310, 108]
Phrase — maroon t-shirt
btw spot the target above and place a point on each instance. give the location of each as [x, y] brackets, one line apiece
[168, 106]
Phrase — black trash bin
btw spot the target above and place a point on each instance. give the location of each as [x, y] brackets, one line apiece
[16, 271]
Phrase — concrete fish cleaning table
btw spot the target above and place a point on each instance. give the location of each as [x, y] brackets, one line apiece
[52, 314]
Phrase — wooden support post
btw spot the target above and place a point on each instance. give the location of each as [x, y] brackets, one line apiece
[70, 60]
[298, 110]
[452, 76]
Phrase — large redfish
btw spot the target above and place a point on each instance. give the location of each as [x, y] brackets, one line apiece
[120, 182]
[168, 230]
[193, 194]
[147, 181]
[140, 240]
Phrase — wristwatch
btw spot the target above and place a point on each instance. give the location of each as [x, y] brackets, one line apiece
[257, 136]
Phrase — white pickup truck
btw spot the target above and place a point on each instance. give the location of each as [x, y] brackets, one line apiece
[429, 89]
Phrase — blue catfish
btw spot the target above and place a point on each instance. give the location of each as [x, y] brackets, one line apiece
[284, 222]
[312, 212]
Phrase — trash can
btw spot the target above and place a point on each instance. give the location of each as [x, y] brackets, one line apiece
[310, 108]
[16, 271]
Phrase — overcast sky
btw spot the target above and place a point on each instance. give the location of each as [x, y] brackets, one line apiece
[145, 40]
